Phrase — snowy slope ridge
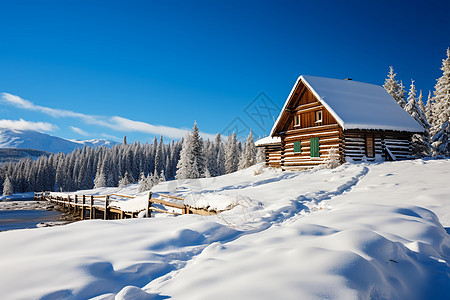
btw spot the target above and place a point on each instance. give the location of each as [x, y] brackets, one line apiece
[27, 139]
[361, 231]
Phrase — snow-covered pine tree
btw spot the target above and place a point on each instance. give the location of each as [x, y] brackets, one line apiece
[420, 142]
[413, 108]
[400, 98]
[220, 155]
[260, 155]
[429, 109]
[185, 167]
[221, 160]
[192, 162]
[162, 176]
[441, 111]
[248, 157]
[137, 158]
[231, 154]
[241, 162]
[175, 156]
[155, 179]
[392, 86]
[168, 167]
[7, 187]
[144, 184]
[125, 180]
[390, 83]
[422, 106]
[171, 162]
[207, 152]
[100, 180]
[159, 161]
[198, 150]
[153, 155]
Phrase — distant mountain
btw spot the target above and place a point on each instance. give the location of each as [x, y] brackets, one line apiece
[95, 143]
[26, 139]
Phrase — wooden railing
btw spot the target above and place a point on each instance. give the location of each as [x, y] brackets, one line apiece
[102, 206]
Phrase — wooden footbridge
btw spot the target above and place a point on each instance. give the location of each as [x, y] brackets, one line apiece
[105, 206]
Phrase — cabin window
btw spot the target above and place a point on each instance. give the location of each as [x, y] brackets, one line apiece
[297, 120]
[319, 116]
[297, 147]
[370, 146]
[314, 147]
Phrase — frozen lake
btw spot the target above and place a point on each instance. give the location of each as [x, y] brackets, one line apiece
[21, 219]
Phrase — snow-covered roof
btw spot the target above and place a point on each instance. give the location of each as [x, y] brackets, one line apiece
[268, 141]
[357, 105]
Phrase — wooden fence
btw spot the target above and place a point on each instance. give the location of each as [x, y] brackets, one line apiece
[103, 207]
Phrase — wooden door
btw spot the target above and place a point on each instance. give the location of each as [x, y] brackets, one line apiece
[370, 146]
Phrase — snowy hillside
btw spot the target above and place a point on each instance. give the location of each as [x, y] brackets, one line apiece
[26, 139]
[14, 154]
[361, 231]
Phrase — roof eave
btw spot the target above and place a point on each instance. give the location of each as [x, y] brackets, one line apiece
[272, 132]
[322, 101]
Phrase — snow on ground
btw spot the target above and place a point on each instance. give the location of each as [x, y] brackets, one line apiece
[360, 231]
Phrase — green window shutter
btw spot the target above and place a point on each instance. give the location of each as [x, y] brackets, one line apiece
[297, 147]
[314, 147]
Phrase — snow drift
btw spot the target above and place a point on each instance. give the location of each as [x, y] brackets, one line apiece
[356, 232]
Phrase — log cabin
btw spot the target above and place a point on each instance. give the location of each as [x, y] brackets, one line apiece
[361, 121]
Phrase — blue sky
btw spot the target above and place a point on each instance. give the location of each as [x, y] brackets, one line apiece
[104, 69]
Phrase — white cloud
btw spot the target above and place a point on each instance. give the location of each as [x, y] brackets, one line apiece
[54, 112]
[115, 122]
[78, 130]
[21, 124]
[111, 137]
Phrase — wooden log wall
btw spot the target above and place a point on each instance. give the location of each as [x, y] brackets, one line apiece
[399, 143]
[304, 105]
[329, 137]
[400, 146]
[355, 145]
[273, 155]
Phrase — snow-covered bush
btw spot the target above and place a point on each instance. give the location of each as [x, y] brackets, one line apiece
[146, 183]
[125, 180]
[333, 160]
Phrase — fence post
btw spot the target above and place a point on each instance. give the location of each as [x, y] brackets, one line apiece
[106, 207]
[91, 209]
[83, 209]
[149, 203]
[75, 207]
